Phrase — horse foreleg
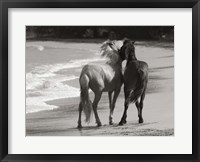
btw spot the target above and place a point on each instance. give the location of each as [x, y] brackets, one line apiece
[110, 99]
[79, 118]
[126, 104]
[110, 104]
[95, 103]
[116, 94]
[123, 119]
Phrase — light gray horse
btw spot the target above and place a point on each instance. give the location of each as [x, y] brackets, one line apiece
[101, 78]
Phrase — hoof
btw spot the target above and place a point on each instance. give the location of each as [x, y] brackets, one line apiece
[110, 123]
[121, 123]
[99, 124]
[79, 126]
[141, 120]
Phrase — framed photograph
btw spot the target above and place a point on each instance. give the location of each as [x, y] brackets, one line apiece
[104, 80]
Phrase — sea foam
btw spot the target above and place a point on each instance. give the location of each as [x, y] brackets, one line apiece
[43, 84]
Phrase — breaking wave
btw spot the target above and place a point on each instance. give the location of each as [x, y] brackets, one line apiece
[44, 83]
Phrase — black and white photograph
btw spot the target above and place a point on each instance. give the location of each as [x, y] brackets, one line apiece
[99, 81]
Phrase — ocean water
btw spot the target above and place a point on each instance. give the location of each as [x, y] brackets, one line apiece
[49, 65]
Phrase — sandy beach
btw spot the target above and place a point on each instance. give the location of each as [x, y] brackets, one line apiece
[158, 111]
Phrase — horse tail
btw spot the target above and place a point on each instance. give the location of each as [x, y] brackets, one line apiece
[141, 83]
[84, 96]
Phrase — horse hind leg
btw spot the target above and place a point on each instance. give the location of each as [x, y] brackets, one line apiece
[140, 107]
[95, 103]
[79, 118]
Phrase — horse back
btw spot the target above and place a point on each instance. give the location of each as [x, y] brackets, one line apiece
[102, 77]
[135, 72]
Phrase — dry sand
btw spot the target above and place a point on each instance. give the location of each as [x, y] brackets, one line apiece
[158, 111]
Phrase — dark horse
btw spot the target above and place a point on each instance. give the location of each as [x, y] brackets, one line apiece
[135, 80]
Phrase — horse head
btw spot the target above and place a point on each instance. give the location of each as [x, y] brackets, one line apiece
[127, 51]
[110, 49]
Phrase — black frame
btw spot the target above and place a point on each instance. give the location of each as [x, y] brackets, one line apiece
[6, 4]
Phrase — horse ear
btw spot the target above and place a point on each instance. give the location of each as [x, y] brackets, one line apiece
[133, 42]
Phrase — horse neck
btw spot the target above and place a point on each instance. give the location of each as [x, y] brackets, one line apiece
[117, 65]
[131, 57]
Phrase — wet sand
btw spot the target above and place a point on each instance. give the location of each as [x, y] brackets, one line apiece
[158, 111]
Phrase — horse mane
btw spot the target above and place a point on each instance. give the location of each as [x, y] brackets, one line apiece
[110, 49]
